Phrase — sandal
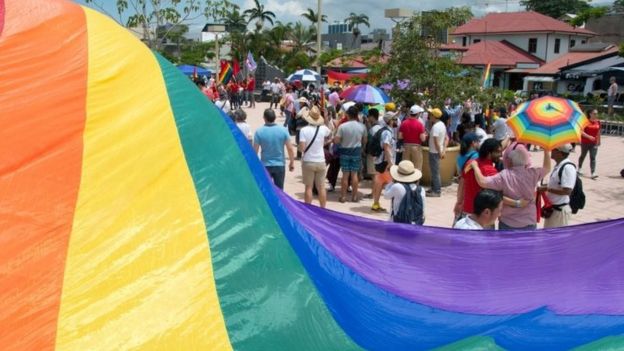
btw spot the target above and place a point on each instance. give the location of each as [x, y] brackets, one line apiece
[355, 199]
[342, 200]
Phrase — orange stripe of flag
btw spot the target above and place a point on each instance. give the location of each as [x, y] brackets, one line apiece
[43, 65]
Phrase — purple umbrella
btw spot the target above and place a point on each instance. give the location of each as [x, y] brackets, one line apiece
[365, 93]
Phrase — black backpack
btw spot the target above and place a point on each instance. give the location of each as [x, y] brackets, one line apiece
[373, 146]
[411, 207]
[577, 197]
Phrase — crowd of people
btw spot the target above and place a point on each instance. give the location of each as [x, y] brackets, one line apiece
[499, 187]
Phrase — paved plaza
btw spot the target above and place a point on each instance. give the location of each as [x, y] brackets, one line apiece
[605, 195]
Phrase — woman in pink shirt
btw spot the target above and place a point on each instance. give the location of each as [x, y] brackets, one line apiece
[517, 182]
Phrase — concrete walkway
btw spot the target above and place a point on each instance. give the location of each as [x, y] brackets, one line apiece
[605, 195]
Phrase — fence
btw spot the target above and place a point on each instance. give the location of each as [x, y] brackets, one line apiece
[615, 128]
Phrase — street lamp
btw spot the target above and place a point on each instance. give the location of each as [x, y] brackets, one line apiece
[319, 20]
[215, 28]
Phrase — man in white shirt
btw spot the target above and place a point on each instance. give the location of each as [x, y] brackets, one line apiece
[405, 175]
[611, 95]
[276, 93]
[312, 138]
[558, 189]
[224, 104]
[437, 149]
[488, 205]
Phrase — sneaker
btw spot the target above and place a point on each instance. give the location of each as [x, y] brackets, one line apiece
[594, 176]
[377, 208]
[431, 193]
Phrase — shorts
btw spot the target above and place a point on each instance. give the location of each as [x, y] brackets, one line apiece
[385, 177]
[313, 173]
[381, 167]
[351, 159]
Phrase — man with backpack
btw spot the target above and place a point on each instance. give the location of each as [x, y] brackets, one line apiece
[408, 198]
[562, 187]
[382, 147]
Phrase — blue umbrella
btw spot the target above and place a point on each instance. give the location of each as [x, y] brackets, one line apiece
[189, 70]
[305, 75]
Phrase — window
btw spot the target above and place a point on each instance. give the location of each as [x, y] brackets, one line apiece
[572, 43]
[476, 41]
[583, 41]
[532, 45]
[557, 45]
[464, 41]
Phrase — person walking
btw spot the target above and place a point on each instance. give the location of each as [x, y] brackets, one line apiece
[276, 93]
[270, 140]
[385, 159]
[590, 140]
[312, 139]
[559, 188]
[611, 95]
[412, 134]
[437, 149]
[350, 137]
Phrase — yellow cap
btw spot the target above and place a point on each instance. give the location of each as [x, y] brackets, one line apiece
[435, 112]
[390, 107]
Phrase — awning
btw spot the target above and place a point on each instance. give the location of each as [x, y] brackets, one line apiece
[539, 79]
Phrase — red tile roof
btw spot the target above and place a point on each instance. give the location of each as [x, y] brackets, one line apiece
[571, 58]
[518, 22]
[453, 47]
[496, 53]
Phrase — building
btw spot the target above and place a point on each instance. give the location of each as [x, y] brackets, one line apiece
[537, 34]
[340, 37]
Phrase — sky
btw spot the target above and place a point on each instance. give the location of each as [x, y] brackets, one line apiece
[337, 10]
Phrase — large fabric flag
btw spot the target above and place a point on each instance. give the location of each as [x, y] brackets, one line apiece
[225, 74]
[139, 217]
[487, 76]
[250, 62]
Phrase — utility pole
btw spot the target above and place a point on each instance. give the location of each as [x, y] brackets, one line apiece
[319, 21]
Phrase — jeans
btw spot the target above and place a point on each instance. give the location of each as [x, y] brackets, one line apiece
[434, 167]
[593, 150]
[277, 173]
[275, 99]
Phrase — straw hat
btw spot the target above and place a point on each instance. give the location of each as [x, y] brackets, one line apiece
[405, 172]
[313, 116]
[303, 100]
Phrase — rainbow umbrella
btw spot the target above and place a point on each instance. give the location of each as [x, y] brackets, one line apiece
[365, 93]
[134, 225]
[548, 122]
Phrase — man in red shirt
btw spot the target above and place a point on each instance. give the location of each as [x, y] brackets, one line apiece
[489, 154]
[412, 134]
[251, 86]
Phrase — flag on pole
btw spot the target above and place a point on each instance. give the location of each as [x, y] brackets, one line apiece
[225, 74]
[487, 76]
[236, 69]
[251, 63]
[195, 76]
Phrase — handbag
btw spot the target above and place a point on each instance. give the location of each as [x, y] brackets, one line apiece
[546, 210]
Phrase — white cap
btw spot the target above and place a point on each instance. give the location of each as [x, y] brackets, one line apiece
[566, 148]
[415, 109]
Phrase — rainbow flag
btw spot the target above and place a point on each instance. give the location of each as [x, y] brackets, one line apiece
[226, 72]
[487, 77]
[126, 225]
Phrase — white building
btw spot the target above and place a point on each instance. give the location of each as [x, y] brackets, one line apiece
[537, 34]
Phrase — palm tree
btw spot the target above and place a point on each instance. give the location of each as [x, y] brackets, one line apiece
[235, 21]
[260, 14]
[312, 17]
[354, 21]
[302, 36]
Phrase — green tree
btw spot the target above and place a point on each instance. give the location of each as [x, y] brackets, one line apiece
[152, 15]
[330, 55]
[586, 14]
[311, 16]
[195, 53]
[260, 14]
[218, 10]
[297, 59]
[354, 20]
[622, 50]
[415, 66]
[302, 36]
[555, 8]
